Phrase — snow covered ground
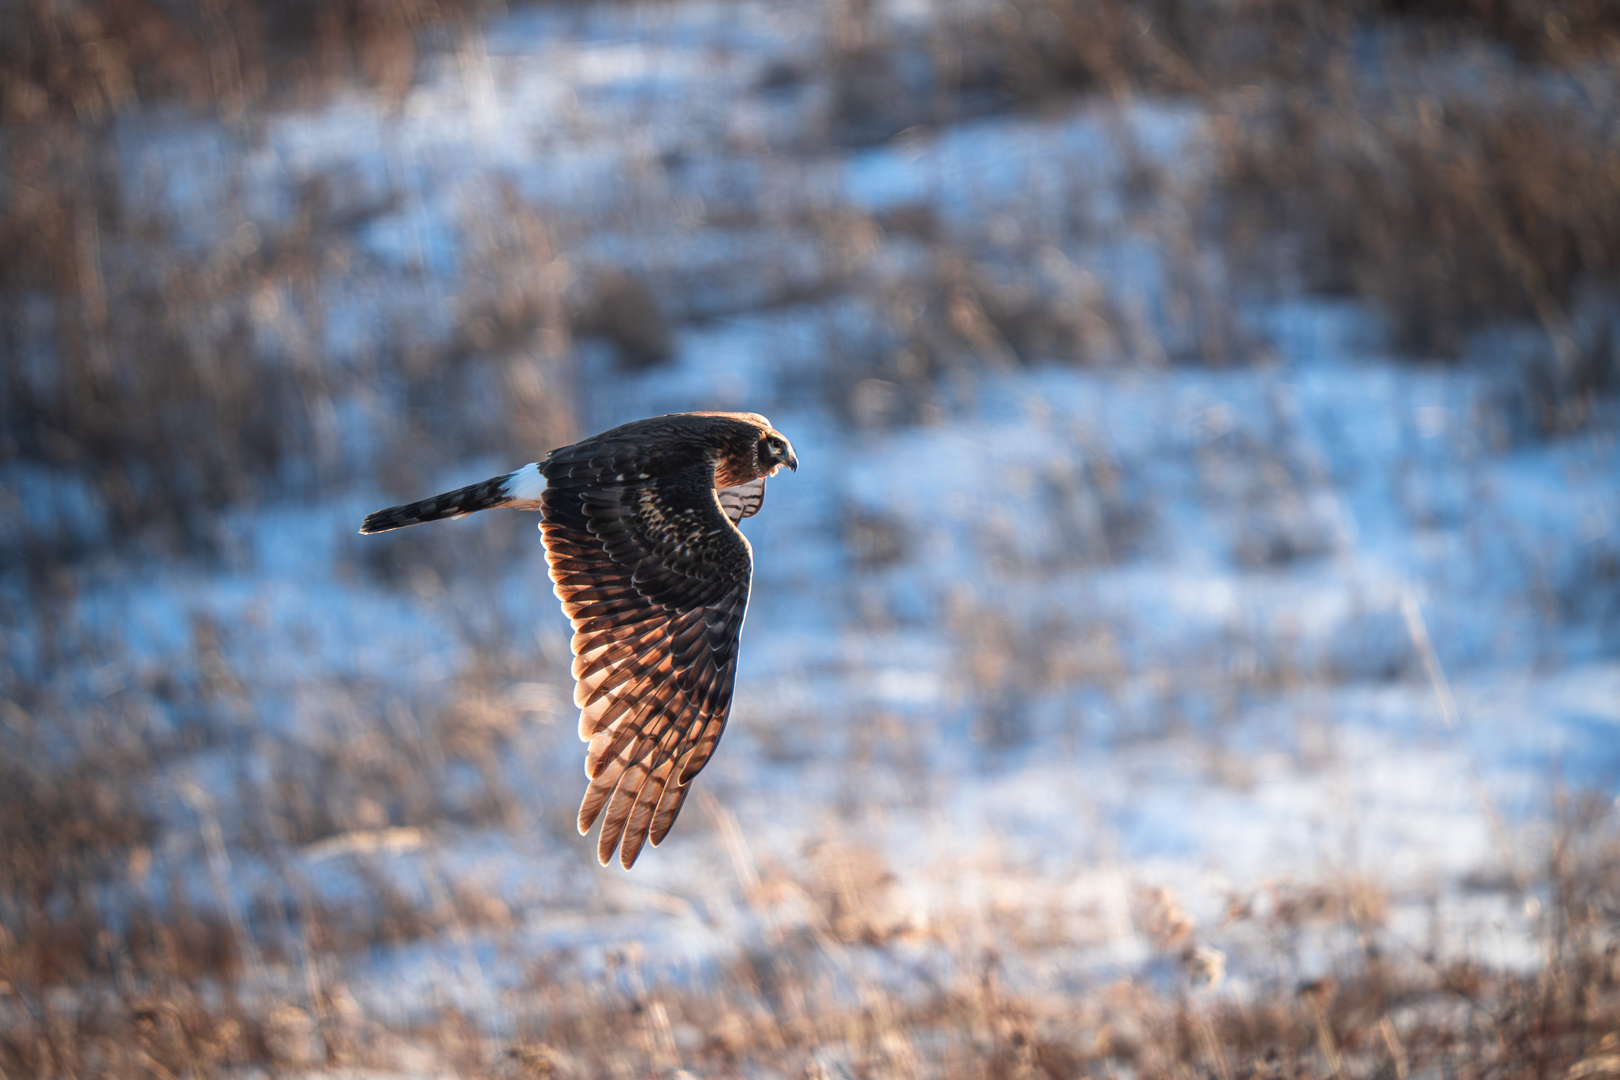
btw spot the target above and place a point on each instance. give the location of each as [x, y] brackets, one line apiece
[1055, 637]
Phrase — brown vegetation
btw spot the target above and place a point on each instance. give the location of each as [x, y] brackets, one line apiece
[806, 1000]
[1350, 148]
[1448, 214]
[177, 379]
[175, 367]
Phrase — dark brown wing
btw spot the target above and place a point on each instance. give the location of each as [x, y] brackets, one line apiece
[655, 579]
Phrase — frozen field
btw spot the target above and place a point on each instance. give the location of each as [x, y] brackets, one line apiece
[1080, 665]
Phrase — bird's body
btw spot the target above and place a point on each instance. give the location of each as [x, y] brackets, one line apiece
[640, 530]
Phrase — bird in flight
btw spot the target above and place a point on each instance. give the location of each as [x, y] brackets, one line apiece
[641, 538]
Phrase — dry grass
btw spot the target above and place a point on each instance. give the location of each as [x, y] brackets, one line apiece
[807, 1000]
[170, 383]
[161, 374]
[82, 60]
[1379, 1014]
[1448, 214]
[1565, 32]
[1352, 150]
[174, 382]
[113, 964]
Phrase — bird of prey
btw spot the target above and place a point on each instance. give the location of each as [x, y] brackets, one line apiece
[640, 530]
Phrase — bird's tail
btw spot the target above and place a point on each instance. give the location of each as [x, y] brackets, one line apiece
[519, 490]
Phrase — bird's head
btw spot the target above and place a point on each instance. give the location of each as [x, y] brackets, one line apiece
[746, 448]
[774, 452]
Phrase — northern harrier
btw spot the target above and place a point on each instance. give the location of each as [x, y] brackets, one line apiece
[641, 537]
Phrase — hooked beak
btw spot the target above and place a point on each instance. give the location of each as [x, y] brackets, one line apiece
[792, 461]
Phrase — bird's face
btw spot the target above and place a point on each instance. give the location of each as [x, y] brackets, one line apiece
[774, 452]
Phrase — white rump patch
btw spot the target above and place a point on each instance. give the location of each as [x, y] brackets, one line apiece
[524, 486]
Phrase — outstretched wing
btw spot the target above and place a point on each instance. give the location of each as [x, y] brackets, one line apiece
[655, 579]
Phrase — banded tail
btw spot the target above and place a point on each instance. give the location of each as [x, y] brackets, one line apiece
[518, 490]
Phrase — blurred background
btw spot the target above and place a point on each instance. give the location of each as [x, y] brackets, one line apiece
[1191, 645]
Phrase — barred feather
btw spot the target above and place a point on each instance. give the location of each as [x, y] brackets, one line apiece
[518, 490]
